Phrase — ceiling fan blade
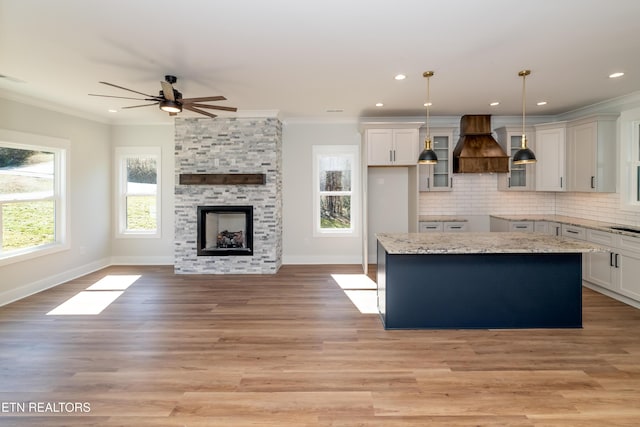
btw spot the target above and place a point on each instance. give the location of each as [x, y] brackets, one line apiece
[197, 110]
[167, 91]
[122, 97]
[143, 105]
[204, 99]
[130, 90]
[215, 107]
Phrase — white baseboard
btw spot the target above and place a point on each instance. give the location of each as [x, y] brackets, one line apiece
[142, 260]
[51, 281]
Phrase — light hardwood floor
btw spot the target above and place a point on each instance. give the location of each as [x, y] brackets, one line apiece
[292, 350]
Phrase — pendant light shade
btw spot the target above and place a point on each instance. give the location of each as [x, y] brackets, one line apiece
[428, 156]
[524, 155]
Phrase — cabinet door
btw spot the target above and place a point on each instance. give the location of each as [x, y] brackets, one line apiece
[581, 161]
[519, 175]
[441, 179]
[599, 269]
[379, 147]
[405, 147]
[628, 272]
[550, 153]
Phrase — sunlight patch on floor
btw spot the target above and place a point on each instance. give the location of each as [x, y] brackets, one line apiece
[96, 297]
[360, 289]
[114, 283]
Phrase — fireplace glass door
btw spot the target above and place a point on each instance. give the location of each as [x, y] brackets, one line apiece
[225, 230]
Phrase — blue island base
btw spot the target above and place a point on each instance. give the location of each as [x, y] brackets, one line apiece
[465, 291]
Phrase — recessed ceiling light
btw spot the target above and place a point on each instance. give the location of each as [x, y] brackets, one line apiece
[400, 77]
[616, 75]
[111, 110]
[427, 104]
[494, 103]
[379, 104]
[542, 103]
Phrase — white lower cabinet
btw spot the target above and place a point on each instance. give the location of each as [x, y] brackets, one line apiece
[599, 267]
[547, 227]
[618, 269]
[628, 266]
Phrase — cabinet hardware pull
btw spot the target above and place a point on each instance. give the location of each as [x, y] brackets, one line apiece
[394, 155]
[611, 259]
[617, 264]
[509, 182]
[390, 155]
[572, 232]
[428, 183]
[593, 182]
[451, 181]
[560, 182]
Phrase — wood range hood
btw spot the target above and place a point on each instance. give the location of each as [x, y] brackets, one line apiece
[477, 151]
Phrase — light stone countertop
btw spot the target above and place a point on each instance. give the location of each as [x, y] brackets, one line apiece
[569, 220]
[481, 243]
[440, 218]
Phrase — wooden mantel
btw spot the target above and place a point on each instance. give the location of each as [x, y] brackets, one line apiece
[223, 179]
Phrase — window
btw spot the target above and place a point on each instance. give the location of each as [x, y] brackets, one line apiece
[630, 162]
[335, 172]
[635, 165]
[138, 199]
[32, 195]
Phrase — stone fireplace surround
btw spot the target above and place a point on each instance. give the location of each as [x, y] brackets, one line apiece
[229, 146]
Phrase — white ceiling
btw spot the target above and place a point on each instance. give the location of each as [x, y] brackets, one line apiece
[304, 57]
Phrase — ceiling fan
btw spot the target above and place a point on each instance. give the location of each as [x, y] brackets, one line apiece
[171, 100]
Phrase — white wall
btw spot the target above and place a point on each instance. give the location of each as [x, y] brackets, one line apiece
[148, 250]
[90, 207]
[299, 244]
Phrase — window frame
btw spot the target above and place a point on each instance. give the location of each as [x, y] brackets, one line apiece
[353, 152]
[120, 160]
[60, 149]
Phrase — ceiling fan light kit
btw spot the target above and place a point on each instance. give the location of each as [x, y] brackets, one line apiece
[170, 106]
[171, 101]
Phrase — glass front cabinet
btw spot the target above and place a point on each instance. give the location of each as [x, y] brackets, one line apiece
[519, 177]
[438, 177]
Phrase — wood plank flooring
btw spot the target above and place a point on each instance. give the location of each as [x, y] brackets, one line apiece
[292, 350]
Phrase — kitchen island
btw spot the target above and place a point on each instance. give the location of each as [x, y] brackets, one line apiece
[480, 280]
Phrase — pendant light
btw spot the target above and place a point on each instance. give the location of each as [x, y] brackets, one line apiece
[428, 156]
[524, 155]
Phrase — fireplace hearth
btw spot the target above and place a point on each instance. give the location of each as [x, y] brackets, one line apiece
[225, 230]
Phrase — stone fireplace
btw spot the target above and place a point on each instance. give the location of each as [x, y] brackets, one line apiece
[228, 196]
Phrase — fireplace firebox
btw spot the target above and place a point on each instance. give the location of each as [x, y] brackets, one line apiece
[225, 230]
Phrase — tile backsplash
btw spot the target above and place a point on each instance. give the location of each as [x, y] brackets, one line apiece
[477, 194]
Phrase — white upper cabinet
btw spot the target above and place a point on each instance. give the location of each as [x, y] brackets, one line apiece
[591, 154]
[438, 177]
[520, 177]
[392, 147]
[550, 153]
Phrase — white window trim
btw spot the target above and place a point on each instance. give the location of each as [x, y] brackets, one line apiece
[354, 152]
[60, 148]
[120, 215]
[630, 160]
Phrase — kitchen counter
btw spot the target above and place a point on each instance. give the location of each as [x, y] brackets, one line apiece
[440, 218]
[480, 243]
[578, 222]
[480, 280]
